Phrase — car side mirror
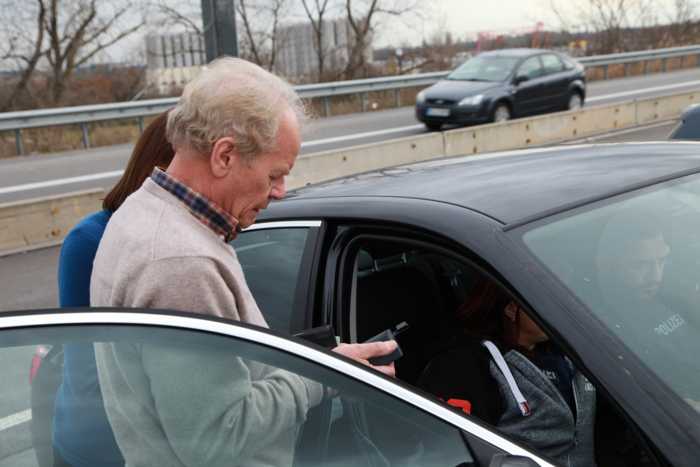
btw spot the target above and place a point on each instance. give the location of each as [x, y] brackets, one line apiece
[507, 460]
[520, 79]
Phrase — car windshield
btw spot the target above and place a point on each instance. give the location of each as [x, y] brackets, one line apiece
[484, 68]
[635, 263]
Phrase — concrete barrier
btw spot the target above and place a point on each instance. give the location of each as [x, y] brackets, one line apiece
[550, 128]
[43, 222]
[37, 223]
[663, 108]
[332, 164]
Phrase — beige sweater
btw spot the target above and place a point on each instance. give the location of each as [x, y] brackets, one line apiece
[170, 404]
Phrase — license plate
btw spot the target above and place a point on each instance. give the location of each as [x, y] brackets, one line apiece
[435, 112]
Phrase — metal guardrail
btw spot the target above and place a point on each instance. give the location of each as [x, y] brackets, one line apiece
[84, 115]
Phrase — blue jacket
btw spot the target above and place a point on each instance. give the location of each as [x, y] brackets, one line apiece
[81, 433]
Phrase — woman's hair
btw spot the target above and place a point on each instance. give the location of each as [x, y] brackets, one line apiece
[232, 97]
[482, 314]
[151, 150]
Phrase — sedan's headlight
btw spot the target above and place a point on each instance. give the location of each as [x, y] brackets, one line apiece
[420, 97]
[472, 100]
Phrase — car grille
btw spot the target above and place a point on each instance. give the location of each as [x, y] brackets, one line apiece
[439, 101]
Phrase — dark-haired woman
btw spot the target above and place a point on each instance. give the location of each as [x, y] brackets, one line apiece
[82, 436]
[504, 370]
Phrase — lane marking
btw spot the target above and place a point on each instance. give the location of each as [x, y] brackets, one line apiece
[61, 181]
[317, 142]
[15, 419]
[643, 91]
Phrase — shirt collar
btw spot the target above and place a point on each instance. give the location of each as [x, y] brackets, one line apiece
[205, 210]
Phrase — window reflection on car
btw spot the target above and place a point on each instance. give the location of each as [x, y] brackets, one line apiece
[484, 68]
[635, 266]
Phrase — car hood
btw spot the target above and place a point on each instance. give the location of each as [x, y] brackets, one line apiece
[456, 90]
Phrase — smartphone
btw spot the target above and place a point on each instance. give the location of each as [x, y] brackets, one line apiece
[388, 335]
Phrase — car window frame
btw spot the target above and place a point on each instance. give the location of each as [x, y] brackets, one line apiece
[553, 72]
[32, 319]
[339, 268]
[525, 60]
[339, 265]
[301, 315]
[598, 362]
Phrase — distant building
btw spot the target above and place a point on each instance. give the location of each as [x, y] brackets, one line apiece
[297, 58]
[173, 60]
[175, 50]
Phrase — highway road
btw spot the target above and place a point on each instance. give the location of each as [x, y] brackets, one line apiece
[40, 175]
[28, 281]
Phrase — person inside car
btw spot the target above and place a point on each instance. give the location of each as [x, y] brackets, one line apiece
[504, 370]
[631, 261]
[82, 436]
[236, 135]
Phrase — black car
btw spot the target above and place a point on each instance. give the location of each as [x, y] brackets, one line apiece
[499, 85]
[412, 244]
[688, 127]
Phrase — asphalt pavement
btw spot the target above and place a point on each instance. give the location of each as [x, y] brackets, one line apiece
[41, 175]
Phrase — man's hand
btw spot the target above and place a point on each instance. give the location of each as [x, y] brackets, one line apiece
[363, 352]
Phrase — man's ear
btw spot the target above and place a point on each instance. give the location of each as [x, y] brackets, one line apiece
[224, 156]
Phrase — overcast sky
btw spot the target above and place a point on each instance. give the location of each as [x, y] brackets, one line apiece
[468, 17]
[463, 18]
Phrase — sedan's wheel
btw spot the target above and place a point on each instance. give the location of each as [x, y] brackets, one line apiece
[501, 113]
[575, 102]
[433, 126]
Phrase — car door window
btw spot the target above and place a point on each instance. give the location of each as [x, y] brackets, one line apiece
[551, 64]
[448, 305]
[531, 68]
[271, 259]
[186, 397]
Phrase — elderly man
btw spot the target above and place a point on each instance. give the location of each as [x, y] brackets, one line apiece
[236, 136]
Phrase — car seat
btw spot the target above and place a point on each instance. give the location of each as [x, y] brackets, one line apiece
[404, 289]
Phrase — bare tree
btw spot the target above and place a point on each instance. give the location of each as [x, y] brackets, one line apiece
[262, 36]
[683, 22]
[78, 30]
[608, 21]
[183, 15]
[23, 39]
[362, 16]
[316, 12]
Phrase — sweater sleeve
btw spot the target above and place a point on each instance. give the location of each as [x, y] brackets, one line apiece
[212, 410]
[75, 267]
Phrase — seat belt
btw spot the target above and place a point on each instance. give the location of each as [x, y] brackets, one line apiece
[503, 366]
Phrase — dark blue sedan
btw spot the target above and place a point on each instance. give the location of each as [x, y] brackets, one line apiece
[497, 86]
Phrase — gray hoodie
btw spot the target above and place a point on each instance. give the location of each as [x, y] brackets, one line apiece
[550, 427]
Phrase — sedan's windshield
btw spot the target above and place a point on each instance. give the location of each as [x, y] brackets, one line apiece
[484, 68]
[635, 263]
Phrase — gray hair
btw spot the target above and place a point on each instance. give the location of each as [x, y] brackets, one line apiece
[232, 97]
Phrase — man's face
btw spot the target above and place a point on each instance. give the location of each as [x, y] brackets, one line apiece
[254, 183]
[639, 269]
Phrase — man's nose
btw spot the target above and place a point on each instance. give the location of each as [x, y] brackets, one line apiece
[279, 190]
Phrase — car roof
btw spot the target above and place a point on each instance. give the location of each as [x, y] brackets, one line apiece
[518, 186]
[519, 52]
